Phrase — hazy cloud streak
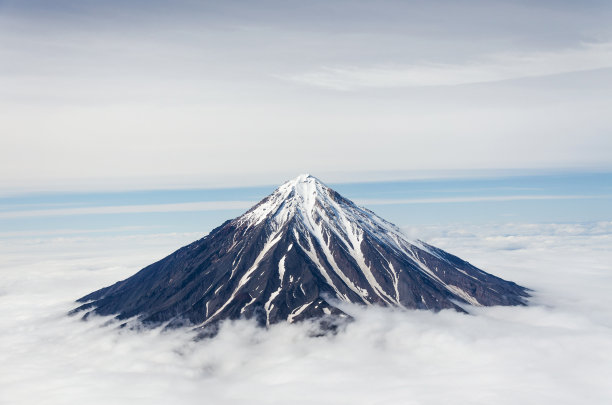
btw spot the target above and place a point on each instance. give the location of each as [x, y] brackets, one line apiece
[492, 68]
[243, 205]
[475, 199]
[131, 209]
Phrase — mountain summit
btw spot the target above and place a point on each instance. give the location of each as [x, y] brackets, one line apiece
[293, 256]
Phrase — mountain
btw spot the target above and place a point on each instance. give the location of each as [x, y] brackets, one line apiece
[293, 256]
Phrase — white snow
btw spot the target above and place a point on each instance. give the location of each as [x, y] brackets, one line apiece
[297, 311]
[463, 294]
[281, 269]
[247, 304]
[268, 305]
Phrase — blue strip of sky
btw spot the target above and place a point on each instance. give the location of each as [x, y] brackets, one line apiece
[596, 206]
[562, 184]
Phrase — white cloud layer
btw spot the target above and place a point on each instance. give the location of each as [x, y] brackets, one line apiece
[558, 350]
[491, 68]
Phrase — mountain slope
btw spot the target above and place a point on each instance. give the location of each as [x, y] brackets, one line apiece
[289, 258]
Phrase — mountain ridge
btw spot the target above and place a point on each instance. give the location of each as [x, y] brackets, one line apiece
[285, 257]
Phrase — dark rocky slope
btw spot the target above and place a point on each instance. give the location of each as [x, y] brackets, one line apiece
[291, 257]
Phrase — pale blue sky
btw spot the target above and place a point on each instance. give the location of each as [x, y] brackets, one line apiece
[556, 198]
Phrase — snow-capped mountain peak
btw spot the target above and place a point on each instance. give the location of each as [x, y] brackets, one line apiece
[289, 257]
[296, 196]
[320, 209]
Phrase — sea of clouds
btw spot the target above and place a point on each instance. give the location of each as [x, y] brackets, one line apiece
[558, 350]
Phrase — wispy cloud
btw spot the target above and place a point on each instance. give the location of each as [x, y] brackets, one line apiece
[70, 231]
[441, 200]
[491, 68]
[131, 209]
[244, 205]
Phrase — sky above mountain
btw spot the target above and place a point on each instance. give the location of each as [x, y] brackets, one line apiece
[158, 94]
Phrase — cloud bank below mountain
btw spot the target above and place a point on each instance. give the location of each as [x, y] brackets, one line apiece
[555, 351]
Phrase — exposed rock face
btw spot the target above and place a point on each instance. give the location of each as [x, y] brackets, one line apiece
[288, 258]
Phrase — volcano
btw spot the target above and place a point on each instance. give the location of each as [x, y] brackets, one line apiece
[296, 255]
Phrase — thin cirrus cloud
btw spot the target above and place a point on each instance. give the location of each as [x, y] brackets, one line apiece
[130, 209]
[243, 205]
[443, 200]
[491, 68]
